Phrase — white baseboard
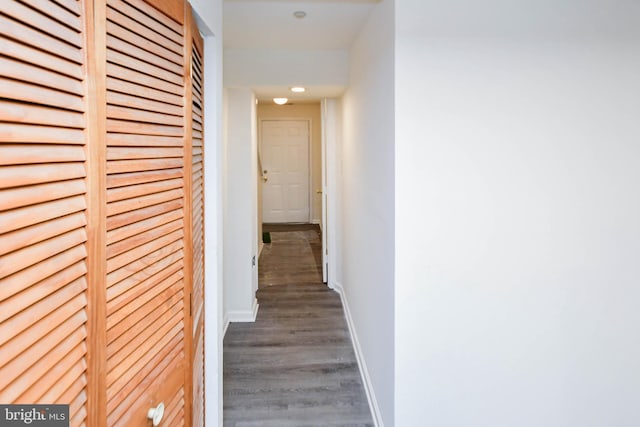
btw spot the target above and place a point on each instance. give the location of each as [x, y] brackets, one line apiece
[244, 315]
[225, 323]
[241, 316]
[364, 372]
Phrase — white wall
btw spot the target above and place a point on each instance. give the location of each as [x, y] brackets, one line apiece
[240, 206]
[332, 134]
[283, 67]
[209, 17]
[517, 206]
[367, 211]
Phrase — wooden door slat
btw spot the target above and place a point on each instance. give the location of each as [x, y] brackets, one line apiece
[39, 232]
[141, 165]
[144, 201]
[144, 18]
[41, 21]
[133, 75]
[36, 75]
[142, 30]
[17, 132]
[16, 154]
[134, 178]
[31, 255]
[133, 140]
[25, 196]
[132, 51]
[77, 396]
[39, 327]
[32, 294]
[163, 12]
[128, 192]
[123, 126]
[14, 368]
[144, 237]
[55, 375]
[72, 6]
[125, 278]
[149, 46]
[163, 373]
[129, 101]
[142, 116]
[20, 322]
[18, 282]
[57, 12]
[135, 228]
[175, 409]
[44, 95]
[19, 175]
[43, 60]
[142, 281]
[61, 384]
[29, 215]
[117, 86]
[159, 351]
[164, 378]
[131, 217]
[122, 260]
[38, 39]
[121, 364]
[152, 70]
[137, 153]
[55, 351]
[28, 92]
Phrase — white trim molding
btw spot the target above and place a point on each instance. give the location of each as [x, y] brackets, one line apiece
[243, 316]
[362, 365]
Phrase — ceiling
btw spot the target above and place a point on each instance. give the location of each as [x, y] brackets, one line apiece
[270, 25]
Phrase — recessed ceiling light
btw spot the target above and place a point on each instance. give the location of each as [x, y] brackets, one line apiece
[298, 89]
[280, 101]
[300, 14]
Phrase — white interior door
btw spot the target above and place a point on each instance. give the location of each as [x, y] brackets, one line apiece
[285, 164]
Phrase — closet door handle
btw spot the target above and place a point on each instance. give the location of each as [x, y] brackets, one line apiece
[156, 414]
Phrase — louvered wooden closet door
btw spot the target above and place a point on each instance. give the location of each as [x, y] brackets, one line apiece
[43, 204]
[146, 280]
[197, 212]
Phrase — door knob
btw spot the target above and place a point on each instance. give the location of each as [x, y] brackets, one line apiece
[156, 414]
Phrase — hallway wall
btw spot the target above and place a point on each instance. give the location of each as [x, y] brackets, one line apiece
[209, 17]
[367, 205]
[518, 198]
[240, 206]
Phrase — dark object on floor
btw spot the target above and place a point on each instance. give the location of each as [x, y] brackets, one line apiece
[266, 237]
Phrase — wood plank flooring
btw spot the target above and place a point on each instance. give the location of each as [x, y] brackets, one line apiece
[295, 366]
[294, 256]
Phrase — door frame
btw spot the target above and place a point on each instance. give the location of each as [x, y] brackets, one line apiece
[309, 122]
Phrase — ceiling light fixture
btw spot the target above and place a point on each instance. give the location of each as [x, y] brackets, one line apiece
[298, 89]
[280, 101]
[300, 14]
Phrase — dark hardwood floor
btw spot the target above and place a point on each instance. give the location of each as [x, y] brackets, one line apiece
[293, 257]
[295, 366]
